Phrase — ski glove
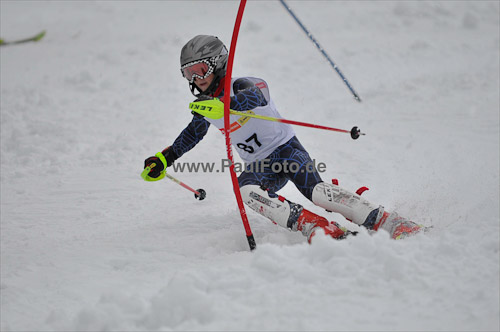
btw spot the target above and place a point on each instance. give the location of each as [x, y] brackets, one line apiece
[158, 163]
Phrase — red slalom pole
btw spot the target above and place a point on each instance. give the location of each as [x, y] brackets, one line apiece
[227, 102]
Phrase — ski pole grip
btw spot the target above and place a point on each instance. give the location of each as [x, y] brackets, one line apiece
[145, 172]
[162, 159]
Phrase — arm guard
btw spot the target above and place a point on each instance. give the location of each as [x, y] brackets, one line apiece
[246, 96]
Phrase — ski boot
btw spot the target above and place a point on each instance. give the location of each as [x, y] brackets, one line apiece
[360, 211]
[397, 226]
[288, 214]
[309, 223]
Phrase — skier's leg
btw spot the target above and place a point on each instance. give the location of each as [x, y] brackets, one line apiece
[336, 199]
[360, 211]
[264, 177]
[299, 168]
[288, 214]
[258, 190]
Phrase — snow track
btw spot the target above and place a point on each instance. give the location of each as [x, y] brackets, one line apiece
[87, 245]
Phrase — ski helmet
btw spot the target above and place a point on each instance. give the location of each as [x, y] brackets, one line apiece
[211, 53]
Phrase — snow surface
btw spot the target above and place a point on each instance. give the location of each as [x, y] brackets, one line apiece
[86, 244]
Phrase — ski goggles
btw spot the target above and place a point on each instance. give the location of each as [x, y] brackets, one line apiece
[200, 69]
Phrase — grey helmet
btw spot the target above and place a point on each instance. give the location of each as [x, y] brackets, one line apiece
[210, 48]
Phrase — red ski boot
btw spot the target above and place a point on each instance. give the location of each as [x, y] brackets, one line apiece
[308, 223]
[288, 214]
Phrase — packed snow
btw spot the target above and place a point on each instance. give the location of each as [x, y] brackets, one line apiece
[86, 244]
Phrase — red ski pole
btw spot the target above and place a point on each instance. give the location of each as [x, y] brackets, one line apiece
[198, 194]
[355, 132]
[215, 109]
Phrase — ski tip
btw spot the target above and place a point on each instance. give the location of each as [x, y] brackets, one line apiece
[22, 41]
[39, 36]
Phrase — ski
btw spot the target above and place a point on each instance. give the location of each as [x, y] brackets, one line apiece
[31, 39]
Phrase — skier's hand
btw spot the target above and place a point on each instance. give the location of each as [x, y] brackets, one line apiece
[156, 166]
[159, 162]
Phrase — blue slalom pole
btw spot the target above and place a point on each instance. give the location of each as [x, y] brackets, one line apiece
[356, 96]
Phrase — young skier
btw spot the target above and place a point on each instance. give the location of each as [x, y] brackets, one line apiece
[269, 149]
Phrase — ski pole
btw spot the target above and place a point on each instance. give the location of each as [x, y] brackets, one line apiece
[214, 109]
[337, 69]
[199, 194]
[355, 132]
[31, 39]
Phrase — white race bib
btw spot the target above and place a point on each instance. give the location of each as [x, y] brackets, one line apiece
[255, 139]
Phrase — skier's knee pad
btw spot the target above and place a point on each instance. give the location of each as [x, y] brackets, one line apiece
[336, 199]
[277, 209]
